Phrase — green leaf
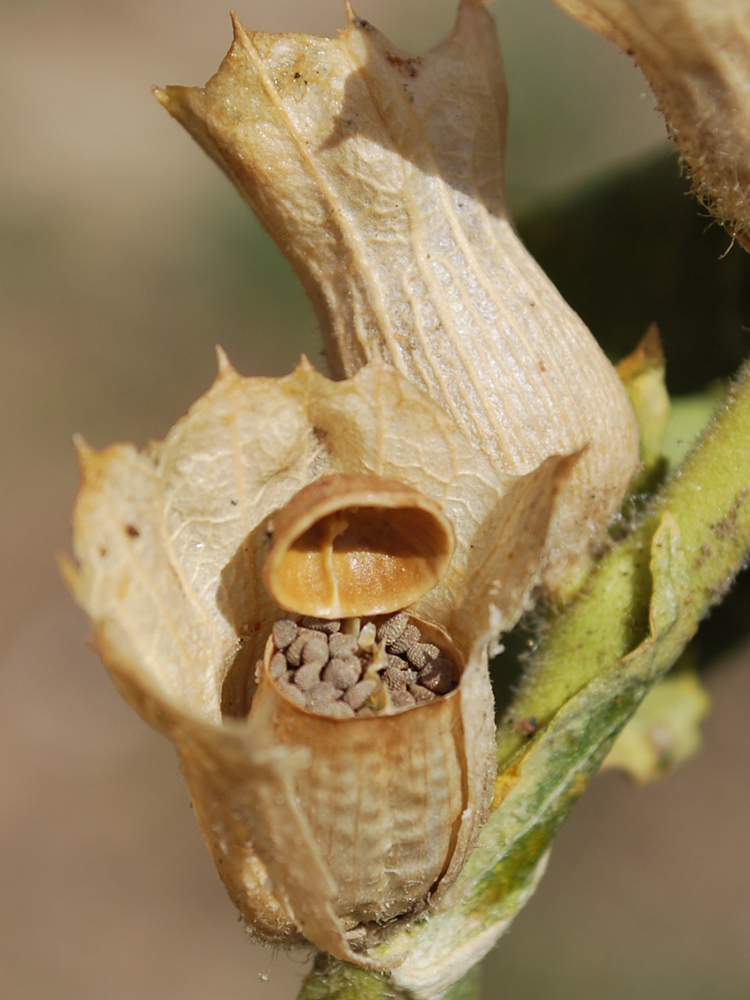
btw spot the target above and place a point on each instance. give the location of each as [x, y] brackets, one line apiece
[665, 729]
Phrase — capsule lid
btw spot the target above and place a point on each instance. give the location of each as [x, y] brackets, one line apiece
[351, 545]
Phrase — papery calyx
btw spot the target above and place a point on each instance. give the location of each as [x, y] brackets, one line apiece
[170, 546]
[380, 175]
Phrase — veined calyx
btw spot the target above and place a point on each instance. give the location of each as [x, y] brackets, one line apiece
[171, 545]
[380, 176]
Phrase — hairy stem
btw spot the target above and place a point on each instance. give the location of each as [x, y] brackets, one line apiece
[708, 496]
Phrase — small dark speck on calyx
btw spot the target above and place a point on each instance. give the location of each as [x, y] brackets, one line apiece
[131, 531]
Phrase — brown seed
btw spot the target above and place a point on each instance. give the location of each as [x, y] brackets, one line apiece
[396, 662]
[316, 648]
[392, 628]
[321, 624]
[408, 637]
[420, 654]
[420, 694]
[294, 650]
[337, 710]
[277, 666]
[342, 673]
[284, 632]
[438, 676]
[402, 699]
[356, 696]
[340, 643]
[395, 680]
[291, 692]
[308, 675]
[321, 696]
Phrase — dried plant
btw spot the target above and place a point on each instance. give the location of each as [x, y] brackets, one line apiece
[474, 449]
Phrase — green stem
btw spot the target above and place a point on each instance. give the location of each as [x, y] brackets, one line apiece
[708, 497]
[330, 979]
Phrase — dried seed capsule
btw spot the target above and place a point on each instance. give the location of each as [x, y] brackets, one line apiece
[342, 673]
[356, 696]
[392, 628]
[353, 545]
[438, 676]
[284, 632]
[420, 653]
[359, 754]
[408, 637]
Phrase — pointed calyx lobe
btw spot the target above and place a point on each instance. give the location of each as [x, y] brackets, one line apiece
[380, 175]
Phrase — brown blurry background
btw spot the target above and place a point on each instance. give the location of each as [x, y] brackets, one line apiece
[125, 258]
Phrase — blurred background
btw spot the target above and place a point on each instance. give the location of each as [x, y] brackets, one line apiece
[126, 256]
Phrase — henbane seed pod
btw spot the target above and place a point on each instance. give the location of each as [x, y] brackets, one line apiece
[170, 546]
[384, 794]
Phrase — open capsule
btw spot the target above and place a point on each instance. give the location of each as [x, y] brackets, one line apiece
[383, 795]
[351, 545]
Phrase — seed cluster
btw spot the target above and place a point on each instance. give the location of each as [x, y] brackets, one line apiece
[344, 668]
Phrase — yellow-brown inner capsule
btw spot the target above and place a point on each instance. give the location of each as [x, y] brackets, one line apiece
[352, 545]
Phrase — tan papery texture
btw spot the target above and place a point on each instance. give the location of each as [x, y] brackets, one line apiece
[318, 826]
[696, 56]
[380, 176]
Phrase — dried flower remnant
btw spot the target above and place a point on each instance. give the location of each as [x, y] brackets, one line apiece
[322, 824]
[696, 56]
[381, 178]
